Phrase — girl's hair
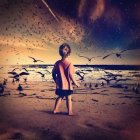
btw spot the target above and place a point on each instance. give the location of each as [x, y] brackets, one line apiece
[64, 53]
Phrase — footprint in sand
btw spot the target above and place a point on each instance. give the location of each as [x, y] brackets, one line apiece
[17, 136]
[113, 126]
[87, 124]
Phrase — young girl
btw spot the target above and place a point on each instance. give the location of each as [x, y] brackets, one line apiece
[63, 75]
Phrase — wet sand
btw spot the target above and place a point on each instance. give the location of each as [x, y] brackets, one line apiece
[103, 113]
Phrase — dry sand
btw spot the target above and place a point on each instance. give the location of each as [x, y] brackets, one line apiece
[103, 113]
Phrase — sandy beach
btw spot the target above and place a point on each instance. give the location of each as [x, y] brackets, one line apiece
[107, 113]
[101, 39]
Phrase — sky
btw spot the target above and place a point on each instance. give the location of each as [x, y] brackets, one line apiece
[93, 28]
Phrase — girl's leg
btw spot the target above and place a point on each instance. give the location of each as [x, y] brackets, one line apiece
[69, 105]
[57, 104]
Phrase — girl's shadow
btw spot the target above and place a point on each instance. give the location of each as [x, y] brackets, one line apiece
[51, 112]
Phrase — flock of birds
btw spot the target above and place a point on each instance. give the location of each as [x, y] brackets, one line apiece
[35, 24]
[108, 79]
[117, 54]
[33, 28]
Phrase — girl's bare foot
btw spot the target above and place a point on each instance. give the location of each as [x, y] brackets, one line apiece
[55, 111]
[70, 114]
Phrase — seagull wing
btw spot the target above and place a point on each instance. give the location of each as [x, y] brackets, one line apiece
[40, 73]
[83, 56]
[79, 74]
[12, 72]
[15, 69]
[102, 79]
[32, 58]
[123, 79]
[25, 69]
[24, 73]
[107, 56]
[40, 60]
[123, 51]
[48, 72]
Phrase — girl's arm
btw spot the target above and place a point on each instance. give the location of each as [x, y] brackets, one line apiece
[72, 76]
[73, 80]
[54, 73]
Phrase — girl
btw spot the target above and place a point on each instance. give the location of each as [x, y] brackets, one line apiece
[63, 75]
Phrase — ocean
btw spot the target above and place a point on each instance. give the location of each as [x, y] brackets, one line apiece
[125, 74]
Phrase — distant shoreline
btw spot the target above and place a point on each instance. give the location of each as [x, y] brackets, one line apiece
[106, 67]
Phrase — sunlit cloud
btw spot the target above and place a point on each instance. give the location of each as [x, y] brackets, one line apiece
[97, 12]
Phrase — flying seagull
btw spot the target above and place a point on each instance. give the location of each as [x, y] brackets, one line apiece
[88, 58]
[118, 54]
[35, 60]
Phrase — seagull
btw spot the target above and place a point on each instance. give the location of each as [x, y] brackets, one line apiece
[19, 88]
[42, 75]
[90, 85]
[102, 84]
[35, 60]
[118, 54]
[48, 71]
[88, 58]
[25, 79]
[25, 69]
[96, 85]
[81, 76]
[107, 80]
[20, 69]
[126, 79]
[23, 73]
[1, 89]
[109, 74]
[136, 89]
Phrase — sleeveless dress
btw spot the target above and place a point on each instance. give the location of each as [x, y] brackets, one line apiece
[61, 75]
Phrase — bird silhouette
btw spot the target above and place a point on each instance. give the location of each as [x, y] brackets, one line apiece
[48, 71]
[25, 69]
[35, 60]
[90, 85]
[23, 73]
[125, 79]
[102, 84]
[136, 89]
[88, 58]
[96, 85]
[107, 80]
[42, 75]
[1, 89]
[25, 80]
[111, 75]
[16, 76]
[19, 88]
[118, 54]
[81, 76]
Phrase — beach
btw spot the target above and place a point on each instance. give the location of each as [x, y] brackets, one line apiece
[107, 113]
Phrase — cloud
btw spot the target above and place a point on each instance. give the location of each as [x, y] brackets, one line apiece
[113, 16]
[91, 9]
[81, 8]
[97, 12]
